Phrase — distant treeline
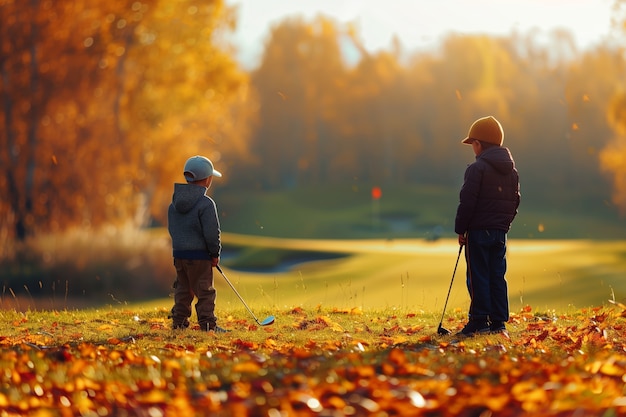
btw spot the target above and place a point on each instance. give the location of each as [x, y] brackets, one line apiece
[392, 118]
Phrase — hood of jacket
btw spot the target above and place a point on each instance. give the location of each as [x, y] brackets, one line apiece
[499, 158]
[186, 196]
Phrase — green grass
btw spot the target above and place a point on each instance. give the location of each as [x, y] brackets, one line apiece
[408, 274]
[336, 212]
[401, 274]
[361, 253]
[149, 325]
[348, 212]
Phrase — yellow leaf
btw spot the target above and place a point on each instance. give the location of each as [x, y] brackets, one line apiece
[611, 369]
[270, 343]
[153, 397]
[247, 367]
[497, 403]
[529, 392]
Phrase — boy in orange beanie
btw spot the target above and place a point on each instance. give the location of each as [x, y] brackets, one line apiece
[488, 203]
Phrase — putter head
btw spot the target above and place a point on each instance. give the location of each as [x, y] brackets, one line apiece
[267, 321]
[442, 331]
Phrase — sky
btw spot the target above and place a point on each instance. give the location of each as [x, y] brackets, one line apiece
[421, 24]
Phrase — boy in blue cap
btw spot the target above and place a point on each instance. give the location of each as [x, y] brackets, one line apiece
[194, 227]
[488, 203]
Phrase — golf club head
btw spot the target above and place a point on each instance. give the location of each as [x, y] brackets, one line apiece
[267, 321]
[442, 331]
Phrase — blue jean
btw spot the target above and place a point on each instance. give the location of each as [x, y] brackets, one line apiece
[485, 254]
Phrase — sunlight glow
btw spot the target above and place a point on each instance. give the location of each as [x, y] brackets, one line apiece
[421, 24]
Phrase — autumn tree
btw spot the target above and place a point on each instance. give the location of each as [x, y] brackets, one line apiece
[102, 102]
[183, 95]
[299, 81]
[613, 155]
[325, 119]
[589, 99]
[380, 142]
[48, 76]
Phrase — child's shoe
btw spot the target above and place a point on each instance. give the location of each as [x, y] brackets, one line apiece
[498, 327]
[474, 327]
[218, 329]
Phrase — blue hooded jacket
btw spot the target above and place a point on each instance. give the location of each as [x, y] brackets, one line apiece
[490, 194]
[193, 223]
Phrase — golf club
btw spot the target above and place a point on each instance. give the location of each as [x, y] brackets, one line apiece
[266, 322]
[442, 330]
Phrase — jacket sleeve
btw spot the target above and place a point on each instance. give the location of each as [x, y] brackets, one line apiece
[211, 228]
[468, 198]
[518, 195]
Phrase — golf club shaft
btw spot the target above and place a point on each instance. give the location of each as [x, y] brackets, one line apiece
[450, 288]
[237, 293]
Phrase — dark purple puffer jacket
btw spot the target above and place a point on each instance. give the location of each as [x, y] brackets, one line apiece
[490, 194]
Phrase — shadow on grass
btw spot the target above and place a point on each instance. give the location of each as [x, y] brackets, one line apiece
[269, 260]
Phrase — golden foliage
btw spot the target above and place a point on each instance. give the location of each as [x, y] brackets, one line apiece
[613, 156]
[118, 96]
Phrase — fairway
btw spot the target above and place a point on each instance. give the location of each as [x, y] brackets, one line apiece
[415, 274]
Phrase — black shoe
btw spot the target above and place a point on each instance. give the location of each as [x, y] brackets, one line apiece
[218, 329]
[474, 327]
[180, 326]
[497, 327]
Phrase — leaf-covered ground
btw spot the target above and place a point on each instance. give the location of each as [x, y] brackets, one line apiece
[127, 362]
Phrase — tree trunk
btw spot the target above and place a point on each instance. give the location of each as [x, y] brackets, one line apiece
[10, 160]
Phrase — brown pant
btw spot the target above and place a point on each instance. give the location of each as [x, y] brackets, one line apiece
[194, 278]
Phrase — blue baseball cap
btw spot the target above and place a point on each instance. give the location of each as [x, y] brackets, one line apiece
[198, 168]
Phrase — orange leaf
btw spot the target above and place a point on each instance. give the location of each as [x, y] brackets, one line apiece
[471, 369]
[246, 367]
[242, 344]
[397, 357]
